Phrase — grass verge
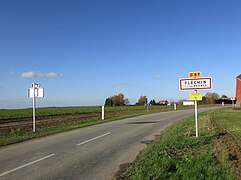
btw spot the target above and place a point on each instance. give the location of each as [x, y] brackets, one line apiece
[178, 154]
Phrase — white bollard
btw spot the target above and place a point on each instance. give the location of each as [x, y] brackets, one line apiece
[175, 106]
[103, 112]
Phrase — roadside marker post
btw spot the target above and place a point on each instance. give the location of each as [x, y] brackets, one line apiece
[194, 83]
[175, 106]
[35, 92]
[233, 99]
[103, 112]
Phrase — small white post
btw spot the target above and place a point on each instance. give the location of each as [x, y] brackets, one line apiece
[222, 103]
[196, 115]
[175, 106]
[103, 112]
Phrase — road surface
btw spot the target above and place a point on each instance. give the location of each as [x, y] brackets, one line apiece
[93, 152]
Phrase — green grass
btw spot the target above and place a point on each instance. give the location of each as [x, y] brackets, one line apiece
[178, 154]
[27, 113]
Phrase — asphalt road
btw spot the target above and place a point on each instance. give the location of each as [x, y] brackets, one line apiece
[94, 152]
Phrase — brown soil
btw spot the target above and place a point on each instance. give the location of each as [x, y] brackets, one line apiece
[227, 146]
[25, 124]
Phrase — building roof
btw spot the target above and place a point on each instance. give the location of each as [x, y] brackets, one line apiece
[163, 101]
[239, 77]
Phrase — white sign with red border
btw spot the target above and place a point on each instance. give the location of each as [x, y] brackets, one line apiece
[202, 83]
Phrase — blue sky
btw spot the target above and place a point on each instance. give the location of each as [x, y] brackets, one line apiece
[84, 51]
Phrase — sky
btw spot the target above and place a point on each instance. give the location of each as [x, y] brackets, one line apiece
[83, 51]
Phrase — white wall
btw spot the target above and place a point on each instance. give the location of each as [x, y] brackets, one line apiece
[188, 103]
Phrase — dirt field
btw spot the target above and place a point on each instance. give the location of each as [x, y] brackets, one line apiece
[25, 124]
[227, 146]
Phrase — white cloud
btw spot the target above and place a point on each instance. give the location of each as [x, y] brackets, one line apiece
[33, 74]
[53, 75]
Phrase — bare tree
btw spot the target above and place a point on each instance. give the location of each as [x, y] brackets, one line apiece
[211, 97]
[116, 100]
[142, 100]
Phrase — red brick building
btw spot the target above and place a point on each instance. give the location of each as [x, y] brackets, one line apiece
[238, 91]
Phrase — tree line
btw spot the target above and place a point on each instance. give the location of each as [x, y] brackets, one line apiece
[120, 100]
[210, 98]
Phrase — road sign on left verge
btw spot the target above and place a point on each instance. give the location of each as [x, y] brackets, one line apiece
[35, 92]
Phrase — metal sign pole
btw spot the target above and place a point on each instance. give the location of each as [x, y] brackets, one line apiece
[34, 104]
[196, 115]
[34, 122]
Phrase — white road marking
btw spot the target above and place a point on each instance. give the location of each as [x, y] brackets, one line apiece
[93, 139]
[28, 164]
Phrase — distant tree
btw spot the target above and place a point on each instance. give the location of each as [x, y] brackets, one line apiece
[152, 102]
[211, 97]
[142, 100]
[117, 100]
[204, 100]
[108, 102]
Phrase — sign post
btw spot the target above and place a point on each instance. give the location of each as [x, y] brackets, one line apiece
[35, 92]
[196, 115]
[195, 82]
[196, 97]
[34, 107]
